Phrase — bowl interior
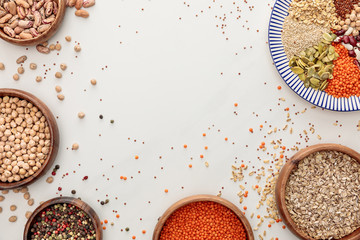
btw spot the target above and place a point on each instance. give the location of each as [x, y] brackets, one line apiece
[45, 35]
[54, 136]
[68, 200]
[287, 171]
[202, 198]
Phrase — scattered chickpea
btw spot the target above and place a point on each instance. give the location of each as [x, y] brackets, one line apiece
[26, 196]
[5, 191]
[2, 198]
[61, 97]
[33, 66]
[68, 38]
[81, 115]
[0, 209]
[75, 146]
[13, 207]
[93, 81]
[58, 46]
[16, 77]
[2, 66]
[20, 70]
[58, 89]
[77, 48]
[52, 47]
[49, 179]
[12, 219]
[58, 75]
[28, 214]
[38, 79]
[30, 202]
[63, 66]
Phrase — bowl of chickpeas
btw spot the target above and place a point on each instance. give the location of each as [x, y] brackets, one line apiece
[29, 138]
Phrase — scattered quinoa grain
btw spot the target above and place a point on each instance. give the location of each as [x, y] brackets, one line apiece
[28, 214]
[13, 208]
[30, 202]
[12, 219]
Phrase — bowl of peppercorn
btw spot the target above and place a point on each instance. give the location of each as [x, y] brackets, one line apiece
[63, 218]
[29, 138]
[203, 217]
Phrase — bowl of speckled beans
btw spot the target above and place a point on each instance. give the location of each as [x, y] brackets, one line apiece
[203, 217]
[29, 138]
[317, 193]
[63, 218]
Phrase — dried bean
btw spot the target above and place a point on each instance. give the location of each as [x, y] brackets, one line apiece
[2, 66]
[22, 3]
[58, 89]
[21, 70]
[71, 3]
[88, 3]
[18, 30]
[61, 97]
[21, 59]
[68, 38]
[63, 66]
[9, 31]
[78, 4]
[352, 41]
[25, 35]
[26, 196]
[77, 48]
[13, 207]
[25, 24]
[2, 198]
[82, 13]
[43, 28]
[49, 179]
[5, 18]
[38, 79]
[42, 49]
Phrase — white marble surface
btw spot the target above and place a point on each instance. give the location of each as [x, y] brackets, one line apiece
[168, 81]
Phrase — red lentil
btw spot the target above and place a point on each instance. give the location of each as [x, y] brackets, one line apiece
[346, 81]
[203, 220]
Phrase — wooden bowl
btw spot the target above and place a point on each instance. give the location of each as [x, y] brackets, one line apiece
[45, 35]
[54, 137]
[202, 198]
[285, 174]
[69, 200]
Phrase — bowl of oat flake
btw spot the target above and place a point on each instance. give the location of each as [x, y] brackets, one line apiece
[29, 138]
[317, 193]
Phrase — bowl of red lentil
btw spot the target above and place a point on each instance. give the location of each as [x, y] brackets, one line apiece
[317, 193]
[29, 138]
[28, 23]
[63, 217]
[203, 217]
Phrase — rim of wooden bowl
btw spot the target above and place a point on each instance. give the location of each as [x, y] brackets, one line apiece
[45, 35]
[284, 176]
[202, 198]
[68, 200]
[54, 137]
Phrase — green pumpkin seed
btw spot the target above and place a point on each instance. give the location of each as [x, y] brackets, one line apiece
[327, 37]
[302, 77]
[324, 85]
[307, 83]
[325, 76]
[297, 70]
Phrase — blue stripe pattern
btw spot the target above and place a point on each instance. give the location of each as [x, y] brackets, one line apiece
[320, 99]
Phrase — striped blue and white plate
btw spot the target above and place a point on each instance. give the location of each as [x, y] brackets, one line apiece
[318, 98]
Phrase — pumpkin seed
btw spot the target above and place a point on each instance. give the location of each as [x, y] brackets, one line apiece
[297, 70]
